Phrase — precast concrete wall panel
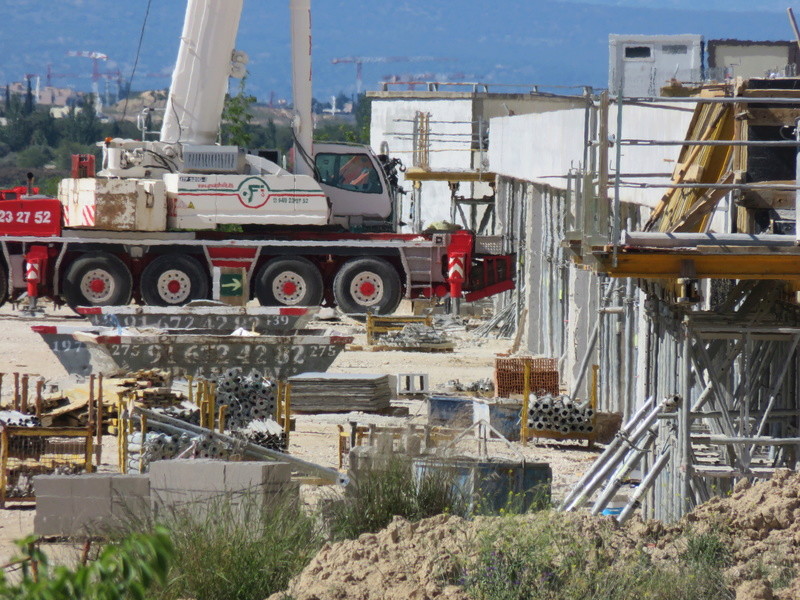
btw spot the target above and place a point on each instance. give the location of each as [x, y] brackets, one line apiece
[392, 129]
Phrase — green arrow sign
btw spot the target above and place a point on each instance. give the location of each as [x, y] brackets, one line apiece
[230, 284]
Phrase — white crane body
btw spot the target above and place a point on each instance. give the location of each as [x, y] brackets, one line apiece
[147, 225]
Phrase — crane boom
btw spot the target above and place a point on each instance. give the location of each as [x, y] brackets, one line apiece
[200, 79]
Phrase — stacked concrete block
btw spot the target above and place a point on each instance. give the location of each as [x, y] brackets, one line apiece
[90, 504]
[197, 485]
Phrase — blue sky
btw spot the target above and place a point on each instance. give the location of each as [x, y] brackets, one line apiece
[541, 42]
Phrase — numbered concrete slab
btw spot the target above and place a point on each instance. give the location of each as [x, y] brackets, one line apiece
[215, 317]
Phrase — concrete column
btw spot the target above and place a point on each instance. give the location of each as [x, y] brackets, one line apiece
[531, 339]
[581, 317]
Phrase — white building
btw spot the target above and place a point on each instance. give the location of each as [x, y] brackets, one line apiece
[643, 64]
[457, 137]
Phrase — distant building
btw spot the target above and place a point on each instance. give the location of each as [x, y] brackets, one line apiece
[643, 64]
[728, 59]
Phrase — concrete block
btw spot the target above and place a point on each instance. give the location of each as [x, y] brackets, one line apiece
[53, 506]
[134, 509]
[130, 485]
[49, 525]
[188, 474]
[52, 485]
[93, 485]
[89, 509]
[207, 475]
[254, 476]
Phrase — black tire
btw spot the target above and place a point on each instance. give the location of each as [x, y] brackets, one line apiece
[367, 285]
[3, 284]
[173, 280]
[97, 279]
[292, 281]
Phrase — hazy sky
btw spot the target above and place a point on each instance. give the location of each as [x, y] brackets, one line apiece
[723, 5]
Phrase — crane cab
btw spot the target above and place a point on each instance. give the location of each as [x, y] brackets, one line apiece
[356, 184]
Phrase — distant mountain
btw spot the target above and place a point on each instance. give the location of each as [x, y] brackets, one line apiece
[536, 41]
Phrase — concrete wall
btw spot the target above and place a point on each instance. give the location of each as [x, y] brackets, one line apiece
[646, 63]
[392, 127]
[454, 128]
[543, 147]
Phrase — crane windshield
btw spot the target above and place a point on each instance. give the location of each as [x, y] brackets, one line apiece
[353, 172]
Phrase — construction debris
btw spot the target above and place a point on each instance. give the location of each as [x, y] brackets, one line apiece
[416, 337]
[340, 392]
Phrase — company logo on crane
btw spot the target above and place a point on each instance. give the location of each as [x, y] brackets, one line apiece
[253, 192]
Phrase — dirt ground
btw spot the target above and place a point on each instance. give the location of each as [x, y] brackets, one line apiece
[316, 436]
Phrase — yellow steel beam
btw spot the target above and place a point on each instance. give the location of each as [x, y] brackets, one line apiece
[662, 265]
[417, 174]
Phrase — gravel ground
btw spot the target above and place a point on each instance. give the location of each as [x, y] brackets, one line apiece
[316, 436]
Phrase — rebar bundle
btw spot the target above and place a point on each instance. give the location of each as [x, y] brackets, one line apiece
[266, 433]
[559, 413]
[248, 397]
[164, 446]
[185, 411]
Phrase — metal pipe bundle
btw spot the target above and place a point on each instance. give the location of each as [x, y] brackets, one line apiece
[559, 413]
[265, 433]
[248, 397]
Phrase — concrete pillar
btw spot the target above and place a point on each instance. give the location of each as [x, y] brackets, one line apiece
[531, 339]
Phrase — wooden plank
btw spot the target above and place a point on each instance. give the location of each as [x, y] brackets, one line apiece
[765, 199]
[417, 174]
[774, 93]
[775, 117]
[668, 265]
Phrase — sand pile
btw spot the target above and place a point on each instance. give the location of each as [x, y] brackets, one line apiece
[405, 561]
[759, 525]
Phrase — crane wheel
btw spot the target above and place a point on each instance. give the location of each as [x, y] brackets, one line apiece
[97, 279]
[367, 285]
[173, 280]
[294, 281]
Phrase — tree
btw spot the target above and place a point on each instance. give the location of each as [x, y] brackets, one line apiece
[236, 117]
[363, 114]
[28, 99]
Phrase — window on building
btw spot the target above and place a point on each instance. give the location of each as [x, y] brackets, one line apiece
[675, 49]
[634, 52]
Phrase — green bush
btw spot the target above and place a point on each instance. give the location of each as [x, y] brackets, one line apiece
[124, 570]
[550, 557]
[34, 157]
[383, 492]
[238, 549]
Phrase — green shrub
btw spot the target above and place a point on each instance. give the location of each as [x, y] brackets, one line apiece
[550, 557]
[124, 570]
[239, 549]
[379, 494]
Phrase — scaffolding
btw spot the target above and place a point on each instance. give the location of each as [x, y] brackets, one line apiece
[711, 324]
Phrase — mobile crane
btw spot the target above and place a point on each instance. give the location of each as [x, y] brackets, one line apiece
[147, 225]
